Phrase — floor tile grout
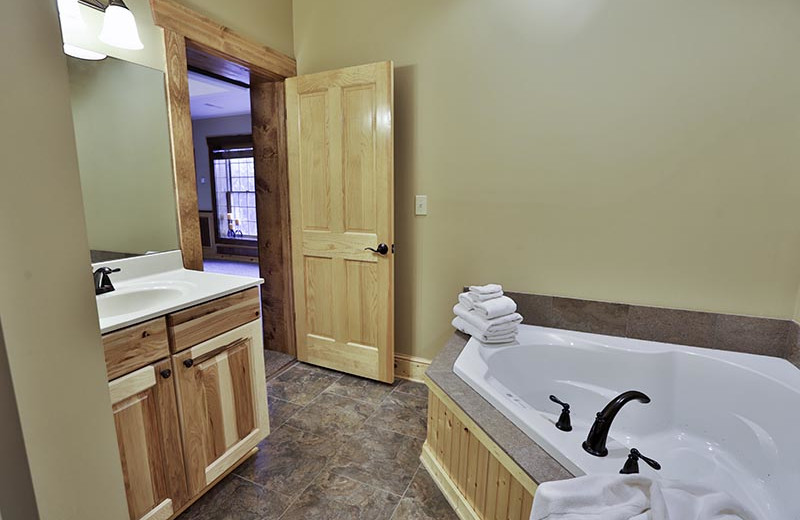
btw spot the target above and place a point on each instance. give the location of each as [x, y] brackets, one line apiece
[406, 491]
[339, 454]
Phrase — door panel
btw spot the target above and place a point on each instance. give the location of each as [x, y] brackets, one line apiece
[222, 398]
[145, 417]
[339, 130]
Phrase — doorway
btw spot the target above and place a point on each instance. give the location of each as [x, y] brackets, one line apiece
[236, 160]
[225, 165]
[327, 265]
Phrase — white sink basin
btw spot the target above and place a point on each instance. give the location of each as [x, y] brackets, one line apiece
[140, 297]
[154, 285]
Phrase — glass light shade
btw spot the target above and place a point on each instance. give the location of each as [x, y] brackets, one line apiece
[69, 9]
[84, 54]
[119, 28]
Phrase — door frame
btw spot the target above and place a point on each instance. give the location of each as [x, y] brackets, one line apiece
[187, 35]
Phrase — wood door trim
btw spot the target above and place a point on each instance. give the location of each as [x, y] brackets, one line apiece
[180, 125]
[267, 68]
[222, 41]
[268, 113]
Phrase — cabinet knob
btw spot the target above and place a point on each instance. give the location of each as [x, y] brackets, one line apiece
[166, 373]
[188, 363]
[145, 334]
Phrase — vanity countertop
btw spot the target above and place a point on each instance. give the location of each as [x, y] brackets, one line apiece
[153, 285]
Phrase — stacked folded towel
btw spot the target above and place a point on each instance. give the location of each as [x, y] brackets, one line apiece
[487, 315]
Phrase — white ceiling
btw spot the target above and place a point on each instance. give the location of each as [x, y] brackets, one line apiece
[210, 97]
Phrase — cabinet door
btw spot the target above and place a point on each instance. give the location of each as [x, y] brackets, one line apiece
[223, 402]
[146, 419]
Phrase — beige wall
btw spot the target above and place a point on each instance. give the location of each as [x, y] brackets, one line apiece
[632, 151]
[50, 328]
[268, 22]
[121, 128]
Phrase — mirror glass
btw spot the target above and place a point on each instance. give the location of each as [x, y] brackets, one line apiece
[119, 110]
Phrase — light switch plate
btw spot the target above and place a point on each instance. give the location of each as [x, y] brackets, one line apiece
[421, 205]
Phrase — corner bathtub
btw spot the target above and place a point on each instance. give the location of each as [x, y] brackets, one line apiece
[726, 420]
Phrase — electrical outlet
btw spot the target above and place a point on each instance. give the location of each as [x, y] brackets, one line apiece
[421, 205]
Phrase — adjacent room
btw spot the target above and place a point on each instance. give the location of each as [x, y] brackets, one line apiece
[380, 260]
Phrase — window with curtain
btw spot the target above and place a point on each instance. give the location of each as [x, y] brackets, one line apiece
[234, 187]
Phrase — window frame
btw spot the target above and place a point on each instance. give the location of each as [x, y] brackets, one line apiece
[216, 143]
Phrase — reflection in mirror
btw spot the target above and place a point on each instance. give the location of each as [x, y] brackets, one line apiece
[119, 110]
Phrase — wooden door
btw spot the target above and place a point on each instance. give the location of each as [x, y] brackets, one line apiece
[341, 187]
[146, 418]
[223, 402]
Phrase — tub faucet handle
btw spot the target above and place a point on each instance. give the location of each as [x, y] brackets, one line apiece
[564, 424]
[632, 464]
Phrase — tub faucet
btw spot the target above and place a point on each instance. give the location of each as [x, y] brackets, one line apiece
[595, 442]
[102, 283]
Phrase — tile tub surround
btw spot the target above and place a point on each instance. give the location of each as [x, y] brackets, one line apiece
[528, 455]
[765, 336]
[338, 450]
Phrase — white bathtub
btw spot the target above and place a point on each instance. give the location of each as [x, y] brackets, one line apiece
[726, 420]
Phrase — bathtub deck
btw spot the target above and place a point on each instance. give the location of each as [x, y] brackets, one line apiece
[531, 458]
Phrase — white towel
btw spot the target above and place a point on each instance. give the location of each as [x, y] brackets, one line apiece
[466, 300]
[632, 497]
[470, 299]
[466, 328]
[486, 289]
[476, 297]
[501, 325]
[495, 307]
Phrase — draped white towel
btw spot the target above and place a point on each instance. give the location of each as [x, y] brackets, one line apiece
[462, 325]
[486, 289]
[500, 325]
[495, 307]
[632, 497]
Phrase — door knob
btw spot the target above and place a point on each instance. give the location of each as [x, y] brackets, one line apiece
[382, 249]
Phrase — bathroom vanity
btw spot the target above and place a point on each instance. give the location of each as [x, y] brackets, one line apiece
[185, 364]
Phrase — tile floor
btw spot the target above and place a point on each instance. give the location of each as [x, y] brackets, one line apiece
[341, 448]
[275, 362]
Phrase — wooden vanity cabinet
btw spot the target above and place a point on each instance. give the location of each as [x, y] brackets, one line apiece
[148, 435]
[189, 400]
[222, 402]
